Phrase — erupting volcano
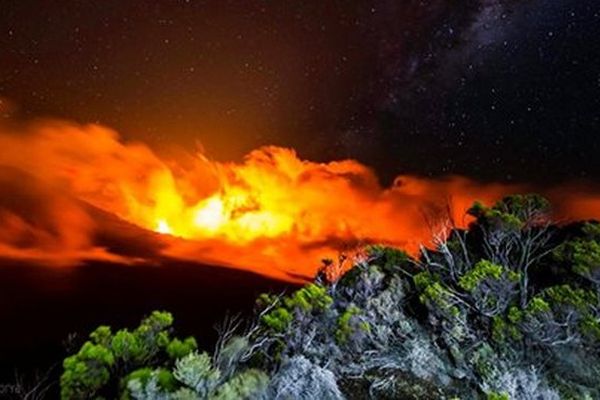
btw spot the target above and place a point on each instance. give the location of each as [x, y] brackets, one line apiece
[399, 199]
[75, 188]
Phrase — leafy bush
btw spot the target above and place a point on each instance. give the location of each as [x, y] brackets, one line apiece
[468, 314]
[195, 377]
[106, 357]
[147, 363]
[298, 378]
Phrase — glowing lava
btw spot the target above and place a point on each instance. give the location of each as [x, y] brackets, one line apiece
[163, 227]
[210, 214]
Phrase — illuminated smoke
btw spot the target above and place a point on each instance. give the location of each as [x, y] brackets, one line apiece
[273, 213]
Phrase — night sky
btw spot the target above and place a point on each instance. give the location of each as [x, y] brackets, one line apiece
[492, 89]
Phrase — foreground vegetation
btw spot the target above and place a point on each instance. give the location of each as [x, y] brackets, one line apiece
[508, 309]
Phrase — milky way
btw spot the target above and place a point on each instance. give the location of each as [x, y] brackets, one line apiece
[494, 89]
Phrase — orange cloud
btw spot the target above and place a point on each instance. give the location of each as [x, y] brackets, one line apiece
[273, 213]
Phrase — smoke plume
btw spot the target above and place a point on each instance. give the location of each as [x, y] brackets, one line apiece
[72, 193]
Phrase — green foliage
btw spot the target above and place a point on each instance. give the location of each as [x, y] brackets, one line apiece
[278, 320]
[583, 253]
[390, 258]
[492, 312]
[312, 298]
[574, 309]
[86, 372]
[498, 396]
[110, 357]
[161, 377]
[265, 299]
[196, 371]
[127, 346]
[504, 330]
[580, 299]
[507, 327]
[537, 305]
[482, 271]
[515, 315]
[424, 279]
[195, 377]
[142, 375]
[512, 212]
[439, 298]
[178, 348]
[346, 328]
[242, 386]
[484, 360]
[166, 379]
[102, 335]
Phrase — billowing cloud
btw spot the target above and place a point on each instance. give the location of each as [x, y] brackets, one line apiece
[72, 192]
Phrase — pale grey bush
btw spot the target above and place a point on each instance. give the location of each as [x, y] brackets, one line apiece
[368, 284]
[184, 394]
[197, 372]
[521, 384]
[202, 381]
[231, 354]
[150, 390]
[422, 361]
[298, 378]
[250, 384]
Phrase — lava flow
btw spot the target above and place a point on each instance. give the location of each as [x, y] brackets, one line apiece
[273, 213]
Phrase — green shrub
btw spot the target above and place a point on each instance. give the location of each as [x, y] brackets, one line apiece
[312, 298]
[345, 326]
[391, 259]
[104, 361]
[485, 270]
[86, 372]
[498, 396]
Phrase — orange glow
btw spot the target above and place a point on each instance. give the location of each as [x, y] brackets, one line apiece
[163, 227]
[273, 213]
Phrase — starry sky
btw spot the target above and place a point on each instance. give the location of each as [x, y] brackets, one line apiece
[497, 90]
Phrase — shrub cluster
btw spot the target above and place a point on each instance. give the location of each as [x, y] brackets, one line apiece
[506, 309]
